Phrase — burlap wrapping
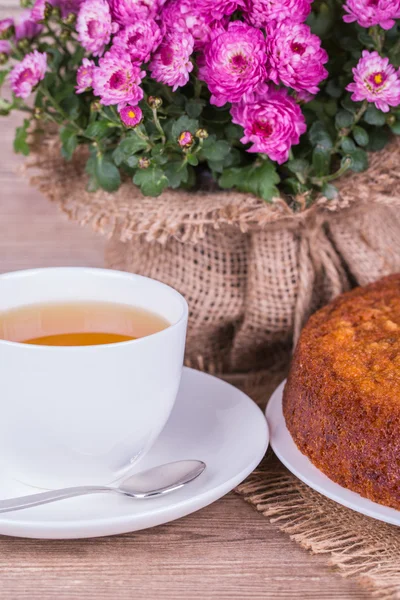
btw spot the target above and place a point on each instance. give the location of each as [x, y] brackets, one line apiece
[252, 273]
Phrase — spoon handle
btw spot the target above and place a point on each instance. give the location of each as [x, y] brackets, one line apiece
[52, 496]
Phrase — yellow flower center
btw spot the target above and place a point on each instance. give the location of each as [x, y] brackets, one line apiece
[378, 78]
[131, 114]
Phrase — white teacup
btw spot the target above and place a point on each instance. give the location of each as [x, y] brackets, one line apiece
[85, 415]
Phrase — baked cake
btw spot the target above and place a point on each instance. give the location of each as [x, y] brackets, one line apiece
[342, 398]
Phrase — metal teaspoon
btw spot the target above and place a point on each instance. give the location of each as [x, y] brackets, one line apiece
[147, 484]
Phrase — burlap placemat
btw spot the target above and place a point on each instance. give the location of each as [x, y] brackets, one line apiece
[358, 546]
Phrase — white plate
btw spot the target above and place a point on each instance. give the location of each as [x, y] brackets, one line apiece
[211, 421]
[286, 450]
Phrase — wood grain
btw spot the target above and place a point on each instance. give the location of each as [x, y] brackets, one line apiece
[225, 551]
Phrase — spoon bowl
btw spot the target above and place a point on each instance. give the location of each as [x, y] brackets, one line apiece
[147, 484]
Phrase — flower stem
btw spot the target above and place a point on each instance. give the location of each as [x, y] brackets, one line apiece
[378, 36]
[158, 125]
[344, 167]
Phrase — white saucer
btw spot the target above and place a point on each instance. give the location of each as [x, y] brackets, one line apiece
[211, 421]
[288, 453]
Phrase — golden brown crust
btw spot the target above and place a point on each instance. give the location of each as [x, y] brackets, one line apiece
[342, 399]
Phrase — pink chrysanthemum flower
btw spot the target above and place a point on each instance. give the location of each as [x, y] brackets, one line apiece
[182, 15]
[139, 40]
[28, 73]
[25, 27]
[126, 12]
[5, 26]
[38, 10]
[171, 63]
[68, 6]
[185, 139]
[219, 8]
[368, 13]
[5, 47]
[272, 123]
[375, 80]
[116, 80]
[94, 26]
[295, 56]
[234, 63]
[131, 115]
[260, 13]
[84, 76]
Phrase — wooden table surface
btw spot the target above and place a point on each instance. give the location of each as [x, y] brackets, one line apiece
[226, 550]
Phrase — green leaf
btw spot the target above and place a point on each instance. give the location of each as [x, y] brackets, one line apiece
[318, 135]
[132, 161]
[233, 133]
[360, 135]
[71, 105]
[343, 119]
[69, 141]
[3, 75]
[298, 165]
[257, 179]
[192, 160]
[373, 116]
[158, 154]
[20, 144]
[56, 57]
[98, 129]
[184, 123]
[350, 105]
[195, 107]
[216, 150]
[378, 138]
[329, 191]
[132, 144]
[177, 173]
[396, 128]
[5, 107]
[323, 20]
[107, 174]
[152, 181]
[348, 145]
[333, 88]
[359, 160]
[321, 160]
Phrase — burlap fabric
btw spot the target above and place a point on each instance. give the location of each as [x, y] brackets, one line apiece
[252, 273]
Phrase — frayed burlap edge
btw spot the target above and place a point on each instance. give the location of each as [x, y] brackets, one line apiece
[358, 546]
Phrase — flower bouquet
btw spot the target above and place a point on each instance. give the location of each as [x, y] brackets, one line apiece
[267, 96]
[256, 122]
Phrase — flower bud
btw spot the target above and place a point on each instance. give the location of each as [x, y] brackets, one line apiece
[202, 134]
[154, 102]
[95, 106]
[23, 44]
[56, 11]
[3, 58]
[144, 162]
[37, 113]
[185, 139]
[7, 32]
[70, 19]
[65, 35]
[390, 119]
[48, 11]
